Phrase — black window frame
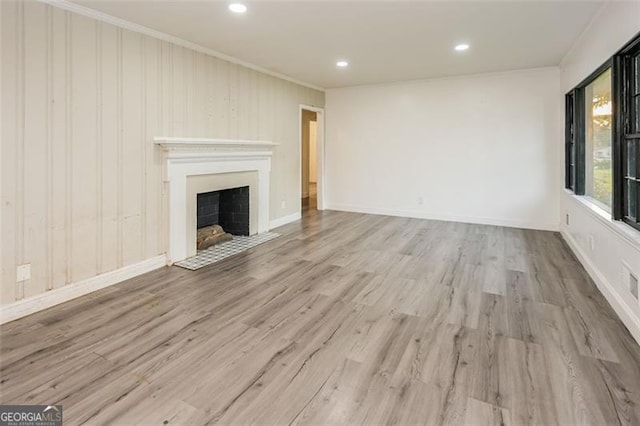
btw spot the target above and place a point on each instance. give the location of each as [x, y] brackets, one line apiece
[622, 85]
[569, 142]
[625, 90]
[578, 119]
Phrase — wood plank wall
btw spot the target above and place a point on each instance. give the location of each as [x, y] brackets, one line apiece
[81, 180]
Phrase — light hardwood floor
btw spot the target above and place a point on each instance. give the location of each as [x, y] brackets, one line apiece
[346, 318]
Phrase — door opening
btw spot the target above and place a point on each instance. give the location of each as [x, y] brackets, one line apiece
[309, 157]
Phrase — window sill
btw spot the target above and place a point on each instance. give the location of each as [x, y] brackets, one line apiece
[623, 230]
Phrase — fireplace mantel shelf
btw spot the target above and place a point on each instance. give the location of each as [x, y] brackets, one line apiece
[182, 143]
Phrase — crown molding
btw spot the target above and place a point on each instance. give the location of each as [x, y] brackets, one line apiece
[131, 26]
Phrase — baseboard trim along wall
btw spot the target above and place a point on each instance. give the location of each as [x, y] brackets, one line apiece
[605, 287]
[285, 220]
[46, 300]
[418, 214]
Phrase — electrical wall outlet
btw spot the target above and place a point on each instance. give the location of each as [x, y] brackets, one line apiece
[420, 201]
[592, 242]
[630, 280]
[283, 204]
[23, 272]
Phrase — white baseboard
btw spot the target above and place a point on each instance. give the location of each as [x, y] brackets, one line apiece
[285, 220]
[54, 297]
[623, 311]
[419, 214]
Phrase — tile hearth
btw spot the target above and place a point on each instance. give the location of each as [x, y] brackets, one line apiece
[223, 250]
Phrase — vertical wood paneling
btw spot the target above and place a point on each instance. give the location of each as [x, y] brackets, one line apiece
[243, 93]
[187, 106]
[34, 161]
[99, 144]
[199, 115]
[132, 158]
[166, 87]
[265, 118]
[109, 153]
[177, 87]
[153, 157]
[68, 135]
[58, 165]
[221, 102]
[143, 151]
[83, 149]
[10, 44]
[254, 109]
[119, 164]
[166, 106]
[20, 142]
[82, 182]
[211, 94]
[232, 107]
[2, 81]
[48, 278]
[159, 177]
[289, 162]
[276, 161]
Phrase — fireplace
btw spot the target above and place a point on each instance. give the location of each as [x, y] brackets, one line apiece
[228, 208]
[199, 165]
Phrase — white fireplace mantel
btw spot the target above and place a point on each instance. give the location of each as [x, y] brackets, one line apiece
[200, 156]
[174, 144]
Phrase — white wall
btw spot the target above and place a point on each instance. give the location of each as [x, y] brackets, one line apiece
[480, 149]
[613, 242]
[82, 192]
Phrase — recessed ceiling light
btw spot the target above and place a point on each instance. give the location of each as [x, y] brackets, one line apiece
[461, 47]
[237, 7]
[342, 64]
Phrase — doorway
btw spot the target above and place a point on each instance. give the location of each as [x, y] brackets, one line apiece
[310, 154]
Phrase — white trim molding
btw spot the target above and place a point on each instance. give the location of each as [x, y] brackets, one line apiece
[276, 223]
[46, 300]
[621, 229]
[320, 153]
[172, 143]
[199, 156]
[623, 310]
[419, 214]
[131, 26]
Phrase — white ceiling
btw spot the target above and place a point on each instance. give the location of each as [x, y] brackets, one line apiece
[383, 41]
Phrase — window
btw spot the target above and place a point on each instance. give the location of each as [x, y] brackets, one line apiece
[569, 142]
[629, 133]
[602, 136]
[597, 139]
